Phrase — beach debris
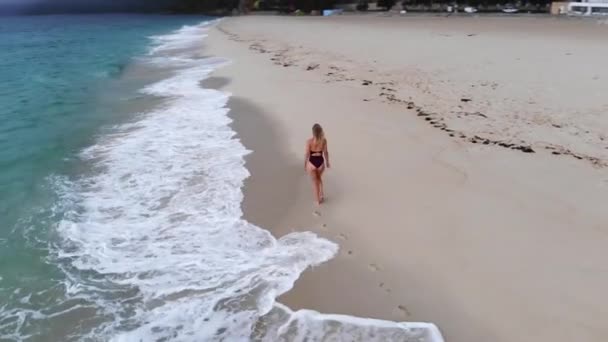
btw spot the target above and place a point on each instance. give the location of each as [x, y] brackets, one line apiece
[476, 114]
[464, 99]
[404, 310]
[312, 66]
[525, 149]
[258, 47]
[366, 82]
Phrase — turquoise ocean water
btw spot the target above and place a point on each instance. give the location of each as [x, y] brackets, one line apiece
[61, 81]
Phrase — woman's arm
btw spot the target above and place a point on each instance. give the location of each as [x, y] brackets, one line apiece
[307, 154]
[326, 153]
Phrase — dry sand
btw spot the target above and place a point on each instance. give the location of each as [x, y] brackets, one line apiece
[440, 213]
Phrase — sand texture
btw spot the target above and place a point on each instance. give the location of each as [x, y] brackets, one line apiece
[469, 180]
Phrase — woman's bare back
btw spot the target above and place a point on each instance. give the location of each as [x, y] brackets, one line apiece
[315, 146]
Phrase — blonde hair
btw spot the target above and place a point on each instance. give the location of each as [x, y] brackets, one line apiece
[317, 133]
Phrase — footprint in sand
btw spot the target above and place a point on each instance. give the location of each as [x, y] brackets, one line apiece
[348, 253]
[403, 310]
[316, 213]
[374, 267]
[342, 237]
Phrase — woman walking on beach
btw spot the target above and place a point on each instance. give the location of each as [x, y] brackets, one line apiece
[317, 158]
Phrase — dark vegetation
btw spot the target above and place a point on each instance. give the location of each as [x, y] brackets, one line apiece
[441, 5]
[204, 6]
[223, 7]
[481, 5]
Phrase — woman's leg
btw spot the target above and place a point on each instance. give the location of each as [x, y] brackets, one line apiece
[312, 172]
[320, 181]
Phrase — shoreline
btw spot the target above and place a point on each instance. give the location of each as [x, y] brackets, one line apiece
[267, 162]
[462, 235]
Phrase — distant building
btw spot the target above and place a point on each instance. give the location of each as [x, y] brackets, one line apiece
[582, 7]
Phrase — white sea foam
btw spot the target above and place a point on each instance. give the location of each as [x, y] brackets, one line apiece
[156, 237]
[184, 38]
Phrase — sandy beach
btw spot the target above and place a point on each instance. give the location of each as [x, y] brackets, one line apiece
[469, 179]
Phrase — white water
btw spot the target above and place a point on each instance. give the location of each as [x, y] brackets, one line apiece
[158, 225]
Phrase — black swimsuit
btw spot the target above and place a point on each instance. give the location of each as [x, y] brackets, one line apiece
[316, 158]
